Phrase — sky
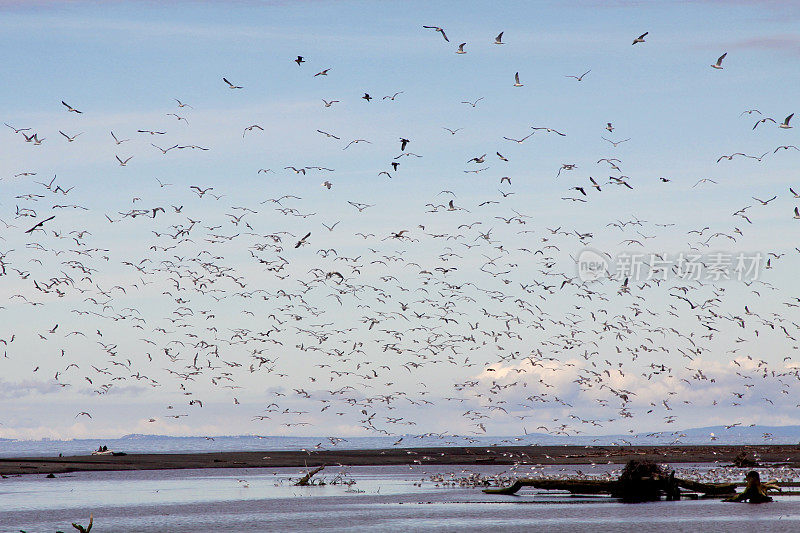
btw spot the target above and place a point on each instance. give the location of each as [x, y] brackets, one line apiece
[401, 312]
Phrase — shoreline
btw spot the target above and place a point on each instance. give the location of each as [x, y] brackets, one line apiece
[784, 454]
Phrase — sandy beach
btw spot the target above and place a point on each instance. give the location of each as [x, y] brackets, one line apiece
[505, 455]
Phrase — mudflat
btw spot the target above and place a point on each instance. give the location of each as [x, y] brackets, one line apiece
[498, 455]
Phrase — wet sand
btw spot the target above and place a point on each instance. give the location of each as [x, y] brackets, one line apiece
[498, 455]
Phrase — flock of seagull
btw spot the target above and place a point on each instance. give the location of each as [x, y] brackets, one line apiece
[473, 307]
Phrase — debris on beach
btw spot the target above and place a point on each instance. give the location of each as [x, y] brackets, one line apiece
[754, 491]
[305, 481]
[640, 481]
[86, 529]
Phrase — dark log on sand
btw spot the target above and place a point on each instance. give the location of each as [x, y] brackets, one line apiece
[575, 486]
[708, 489]
[587, 486]
[304, 481]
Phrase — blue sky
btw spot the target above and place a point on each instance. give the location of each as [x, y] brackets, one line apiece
[123, 64]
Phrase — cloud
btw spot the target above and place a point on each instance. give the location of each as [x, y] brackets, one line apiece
[780, 43]
[21, 389]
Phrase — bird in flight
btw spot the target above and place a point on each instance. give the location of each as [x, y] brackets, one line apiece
[499, 39]
[125, 162]
[461, 49]
[473, 104]
[230, 85]
[303, 241]
[366, 97]
[328, 104]
[69, 139]
[516, 80]
[299, 60]
[718, 64]
[70, 108]
[785, 124]
[640, 39]
[440, 30]
[322, 72]
[580, 78]
[617, 143]
[118, 141]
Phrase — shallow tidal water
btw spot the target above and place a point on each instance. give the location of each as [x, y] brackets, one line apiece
[380, 499]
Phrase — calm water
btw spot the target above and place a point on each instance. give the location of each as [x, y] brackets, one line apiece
[382, 499]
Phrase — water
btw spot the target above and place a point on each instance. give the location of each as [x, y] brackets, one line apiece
[244, 443]
[382, 499]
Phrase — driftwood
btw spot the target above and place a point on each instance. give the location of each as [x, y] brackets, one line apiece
[576, 486]
[587, 486]
[86, 529]
[754, 491]
[304, 481]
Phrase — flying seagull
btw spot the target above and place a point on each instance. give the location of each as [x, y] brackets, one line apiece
[580, 78]
[440, 30]
[232, 86]
[70, 108]
[640, 39]
[499, 39]
[718, 64]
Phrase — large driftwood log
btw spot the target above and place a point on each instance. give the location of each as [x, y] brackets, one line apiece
[709, 489]
[576, 486]
[304, 481]
[588, 486]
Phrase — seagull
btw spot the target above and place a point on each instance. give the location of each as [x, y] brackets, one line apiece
[499, 39]
[616, 143]
[461, 49]
[325, 133]
[718, 64]
[163, 150]
[393, 96]
[763, 202]
[328, 104]
[580, 78]
[83, 413]
[322, 73]
[452, 132]
[70, 108]
[327, 184]
[704, 180]
[69, 139]
[785, 124]
[785, 147]
[640, 39]
[232, 86]
[356, 141]
[16, 130]
[763, 120]
[440, 30]
[796, 213]
[181, 104]
[516, 80]
[473, 104]
[519, 141]
[549, 130]
[121, 162]
[299, 60]
[366, 97]
[251, 128]
[609, 127]
[117, 140]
